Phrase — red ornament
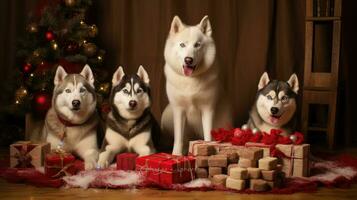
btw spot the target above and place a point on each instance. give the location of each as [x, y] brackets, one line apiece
[105, 108]
[41, 102]
[27, 68]
[50, 35]
[299, 138]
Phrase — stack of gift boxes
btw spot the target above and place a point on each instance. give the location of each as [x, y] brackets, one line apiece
[294, 159]
[226, 165]
[236, 167]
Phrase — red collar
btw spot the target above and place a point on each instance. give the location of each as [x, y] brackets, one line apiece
[65, 122]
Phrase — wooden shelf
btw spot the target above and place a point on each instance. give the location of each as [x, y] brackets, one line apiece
[322, 18]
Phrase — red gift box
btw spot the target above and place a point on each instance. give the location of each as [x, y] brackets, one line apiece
[58, 164]
[126, 161]
[166, 169]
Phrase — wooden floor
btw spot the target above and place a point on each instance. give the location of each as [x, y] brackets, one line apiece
[20, 191]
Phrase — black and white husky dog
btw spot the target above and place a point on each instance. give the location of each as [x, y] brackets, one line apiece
[275, 105]
[130, 124]
[71, 122]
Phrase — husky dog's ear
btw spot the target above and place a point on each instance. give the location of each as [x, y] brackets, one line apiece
[205, 26]
[88, 74]
[176, 25]
[143, 75]
[118, 75]
[294, 83]
[264, 80]
[60, 75]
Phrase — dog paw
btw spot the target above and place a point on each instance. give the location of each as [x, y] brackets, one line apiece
[102, 164]
[88, 165]
[103, 161]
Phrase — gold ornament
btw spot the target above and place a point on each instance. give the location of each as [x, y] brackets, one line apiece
[89, 49]
[21, 92]
[70, 3]
[104, 88]
[20, 95]
[54, 45]
[93, 31]
[32, 28]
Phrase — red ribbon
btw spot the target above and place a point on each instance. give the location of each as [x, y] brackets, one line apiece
[239, 136]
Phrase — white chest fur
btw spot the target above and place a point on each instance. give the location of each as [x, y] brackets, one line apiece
[190, 91]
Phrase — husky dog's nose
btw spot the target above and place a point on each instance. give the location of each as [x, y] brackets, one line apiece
[76, 103]
[132, 103]
[274, 110]
[188, 60]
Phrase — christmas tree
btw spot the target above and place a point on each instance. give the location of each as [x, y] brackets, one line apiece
[58, 36]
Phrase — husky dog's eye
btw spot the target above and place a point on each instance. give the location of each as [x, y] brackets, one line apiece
[139, 90]
[68, 91]
[269, 97]
[126, 91]
[182, 45]
[82, 90]
[284, 99]
[197, 44]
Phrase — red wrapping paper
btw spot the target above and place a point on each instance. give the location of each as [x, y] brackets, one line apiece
[126, 161]
[62, 164]
[166, 169]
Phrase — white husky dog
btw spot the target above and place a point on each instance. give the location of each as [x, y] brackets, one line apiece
[71, 122]
[196, 98]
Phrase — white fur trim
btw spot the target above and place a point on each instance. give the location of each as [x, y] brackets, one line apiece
[108, 177]
[197, 183]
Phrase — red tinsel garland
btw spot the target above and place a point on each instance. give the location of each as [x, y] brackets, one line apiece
[239, 136]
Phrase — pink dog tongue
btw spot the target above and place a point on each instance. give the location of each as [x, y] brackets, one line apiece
[274, 120]
[187, 70]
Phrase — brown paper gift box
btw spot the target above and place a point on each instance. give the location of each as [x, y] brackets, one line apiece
[300, 167]
[296, 162]
[267, 148]
[25, 154]
[193, 146]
